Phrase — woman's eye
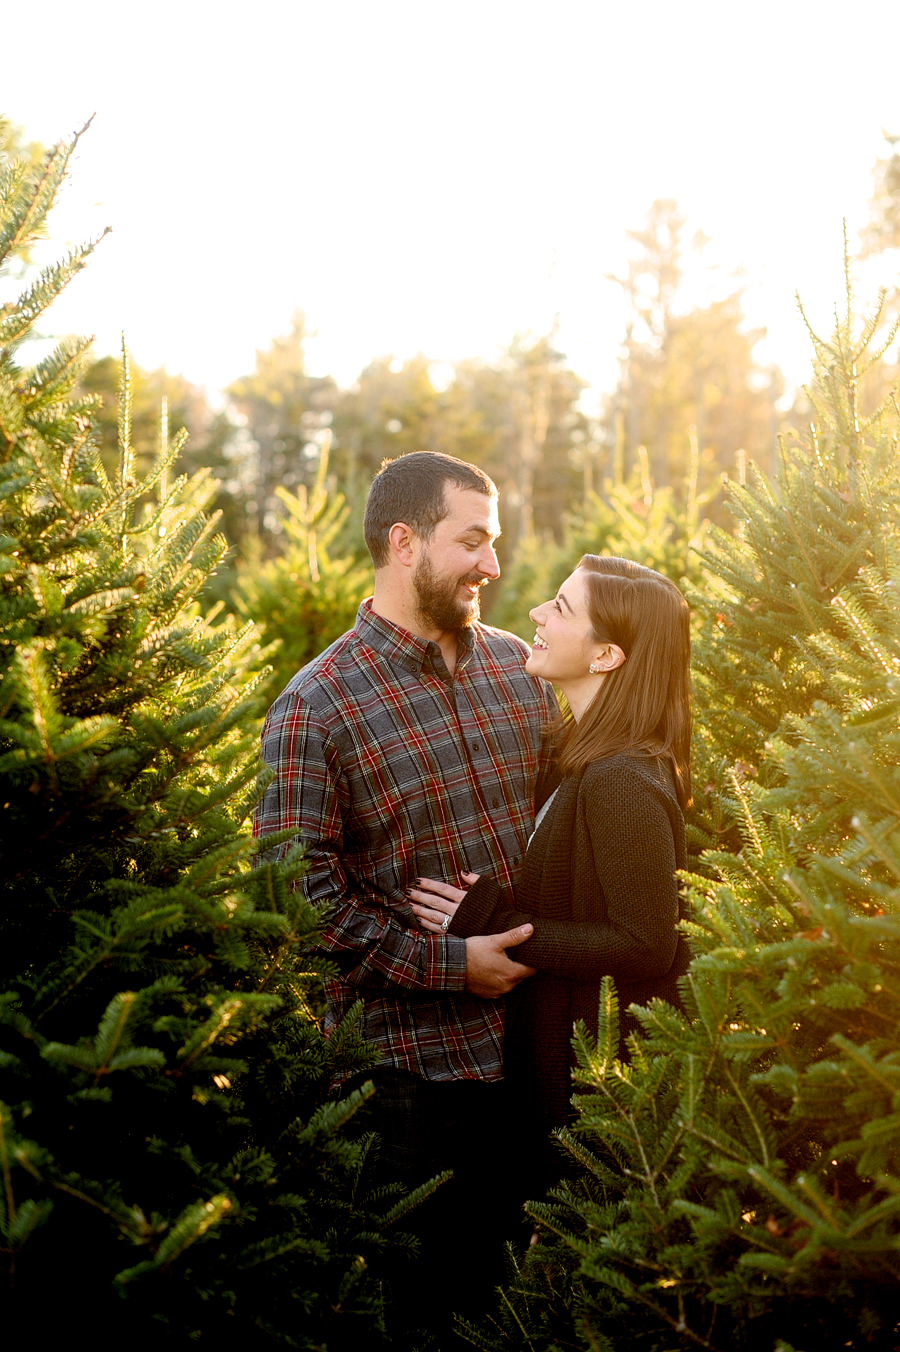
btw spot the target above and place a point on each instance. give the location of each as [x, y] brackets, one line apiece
[558, 606]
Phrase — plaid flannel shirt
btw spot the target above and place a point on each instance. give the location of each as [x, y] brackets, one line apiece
[389, 769]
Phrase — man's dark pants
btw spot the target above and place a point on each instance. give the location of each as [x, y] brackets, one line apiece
[427, 1127]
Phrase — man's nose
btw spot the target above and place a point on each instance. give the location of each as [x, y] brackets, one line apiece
[488, 564]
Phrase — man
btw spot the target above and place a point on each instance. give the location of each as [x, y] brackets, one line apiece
[413, 747]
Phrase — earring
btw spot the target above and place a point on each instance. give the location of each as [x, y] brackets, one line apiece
[594, 668]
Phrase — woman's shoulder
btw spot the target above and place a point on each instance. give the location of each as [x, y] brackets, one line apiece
[639, 791]
[631, 774]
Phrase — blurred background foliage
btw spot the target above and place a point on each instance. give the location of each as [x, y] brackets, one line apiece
[638, 471]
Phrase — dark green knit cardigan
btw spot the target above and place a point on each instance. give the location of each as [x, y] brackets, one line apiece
[598, 885]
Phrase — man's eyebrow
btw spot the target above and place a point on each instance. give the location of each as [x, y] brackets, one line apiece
[561, 596]
[480, 529]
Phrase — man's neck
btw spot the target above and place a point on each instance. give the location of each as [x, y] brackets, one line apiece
[398, 610]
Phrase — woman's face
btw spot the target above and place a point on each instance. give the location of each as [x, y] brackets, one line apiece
[563, 648]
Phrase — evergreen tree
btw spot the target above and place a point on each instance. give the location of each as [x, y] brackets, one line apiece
[171, 1163]
[25, 158]
[737, 1185]
[214, 443]
[686, 363]
[285, 410]
[773, 583]
[306, 597]
[662, 528]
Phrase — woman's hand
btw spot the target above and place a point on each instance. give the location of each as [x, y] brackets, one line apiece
[435, 903]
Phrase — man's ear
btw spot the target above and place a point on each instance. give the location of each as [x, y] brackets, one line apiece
[402, 542]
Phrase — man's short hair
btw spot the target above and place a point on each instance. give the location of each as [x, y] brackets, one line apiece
[411, 489]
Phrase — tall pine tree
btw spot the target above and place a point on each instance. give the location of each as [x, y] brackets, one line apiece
[171, 1163]
[737, 1185]
[308, 595]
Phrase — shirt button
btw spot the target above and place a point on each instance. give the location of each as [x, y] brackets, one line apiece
[495, 802]
[474, 746]
[515, 859]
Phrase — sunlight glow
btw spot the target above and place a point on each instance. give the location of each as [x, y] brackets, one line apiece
[417, 190]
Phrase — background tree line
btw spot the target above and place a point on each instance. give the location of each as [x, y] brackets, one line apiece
[681, 365]
[292, 452]
[691, 404]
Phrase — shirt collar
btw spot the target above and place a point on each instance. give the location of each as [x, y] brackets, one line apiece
[404, 649]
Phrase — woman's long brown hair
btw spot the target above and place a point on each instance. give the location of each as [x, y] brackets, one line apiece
[644, 706]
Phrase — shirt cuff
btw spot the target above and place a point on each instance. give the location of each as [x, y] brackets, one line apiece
[449, 958]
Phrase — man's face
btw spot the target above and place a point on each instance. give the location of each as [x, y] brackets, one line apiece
[456, 562]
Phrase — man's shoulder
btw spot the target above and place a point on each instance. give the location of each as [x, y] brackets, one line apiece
[315, 684]
[336, 657]
[501, 640]
[503, 656]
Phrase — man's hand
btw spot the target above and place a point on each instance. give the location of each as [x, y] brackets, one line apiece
[489, 972]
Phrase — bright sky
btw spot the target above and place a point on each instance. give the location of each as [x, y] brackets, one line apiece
[434, 175]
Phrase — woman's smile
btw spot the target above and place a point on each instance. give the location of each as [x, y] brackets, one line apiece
[565, 656]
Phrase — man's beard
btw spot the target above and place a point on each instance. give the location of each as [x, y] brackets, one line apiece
[438, 601]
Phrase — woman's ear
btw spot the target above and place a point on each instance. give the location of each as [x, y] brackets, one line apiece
[608, 658]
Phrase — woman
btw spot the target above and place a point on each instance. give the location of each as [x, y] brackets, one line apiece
[598, 879]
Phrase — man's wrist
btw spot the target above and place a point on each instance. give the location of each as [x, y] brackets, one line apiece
[449, 960]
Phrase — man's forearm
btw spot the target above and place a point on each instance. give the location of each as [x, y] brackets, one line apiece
[374, 951]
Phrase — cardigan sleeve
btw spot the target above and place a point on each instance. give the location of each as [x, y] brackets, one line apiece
[634, 862]
[474, 914]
